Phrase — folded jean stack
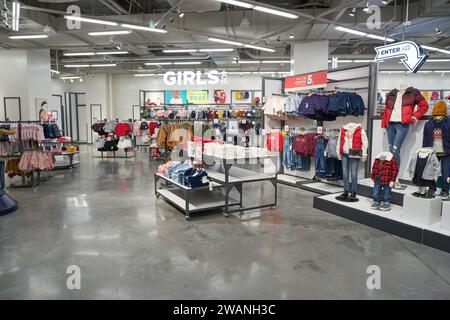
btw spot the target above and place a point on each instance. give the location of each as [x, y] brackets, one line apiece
[184, 173]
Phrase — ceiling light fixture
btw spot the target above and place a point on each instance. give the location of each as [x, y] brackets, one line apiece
[104, 65]
[216, 50]
[29, 36]
[366, 9]
[438, 31]
[77, 65]
[180, 50]
[276, 61]
[109, 33]
[259, 48]
[291, 36]
[143, 28]
[111, 52]
[384, 2]
[70, 77]
[435, 49]
[352, 12]
[276, 12]
[441, 71]
[438, 60]
[187, 63]
[146, 74]
[76, 54]
[374, 36]
[158, 63]
[15, 15]
[181, 14]
[233, 43]
[249, 62]
[90, 20]
[54, 71]
[359, 33]
[238, 3]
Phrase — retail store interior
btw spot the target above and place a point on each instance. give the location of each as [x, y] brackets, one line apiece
[224, 149]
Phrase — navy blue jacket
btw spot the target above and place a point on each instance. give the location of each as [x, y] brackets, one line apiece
[428, 133]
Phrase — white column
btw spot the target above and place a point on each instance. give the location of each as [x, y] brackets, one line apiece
[39, 81]
[309, 56]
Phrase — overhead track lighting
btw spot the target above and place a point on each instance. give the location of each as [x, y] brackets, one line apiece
[143, 28]
[109, 33]
[15, 15]
[438, 31]
[54, 71]
[352, 12]
[181, 14]
[30, 36]
[90, 20]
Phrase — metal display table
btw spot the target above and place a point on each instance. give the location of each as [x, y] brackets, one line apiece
[190, 200]
[239, 177]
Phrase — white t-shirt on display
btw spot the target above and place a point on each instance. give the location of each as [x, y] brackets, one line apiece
[396, 115]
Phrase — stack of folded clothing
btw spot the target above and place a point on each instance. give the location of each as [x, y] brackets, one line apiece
[184, 173]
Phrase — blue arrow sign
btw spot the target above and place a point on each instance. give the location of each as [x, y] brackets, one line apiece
[410, 54]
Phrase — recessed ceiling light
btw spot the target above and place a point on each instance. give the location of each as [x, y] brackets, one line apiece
[109, 33]
[29, 36]
[90, 20]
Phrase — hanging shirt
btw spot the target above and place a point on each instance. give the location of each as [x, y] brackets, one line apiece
[396, 115]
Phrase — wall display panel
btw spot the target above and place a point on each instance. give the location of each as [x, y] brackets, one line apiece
[197, 96]
[176, 97]
[152, 98]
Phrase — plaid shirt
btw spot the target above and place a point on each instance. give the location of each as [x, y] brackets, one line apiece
[387, 171]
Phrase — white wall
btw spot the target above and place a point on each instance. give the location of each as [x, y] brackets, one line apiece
[420, 81]
[125, 89]
[13, 78]
[39, 80]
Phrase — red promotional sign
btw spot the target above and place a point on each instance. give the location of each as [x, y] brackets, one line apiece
[306, 81]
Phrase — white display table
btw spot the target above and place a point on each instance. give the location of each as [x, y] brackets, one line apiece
[445, 223]
[425, 211]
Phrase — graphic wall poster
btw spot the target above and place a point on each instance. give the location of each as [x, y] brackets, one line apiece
[42, 108]
[198, 96]
[176, 97]
[153, 98]
[220, 96]
[242, 96]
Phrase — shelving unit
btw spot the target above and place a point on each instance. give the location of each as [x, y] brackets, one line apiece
[239, 177]
[190, 200]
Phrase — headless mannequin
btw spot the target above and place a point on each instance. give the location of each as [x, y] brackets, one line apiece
[422, 192]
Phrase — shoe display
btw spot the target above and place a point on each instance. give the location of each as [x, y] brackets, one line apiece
[353, 197]
[385, 207]
[375, 205]
[343, 197]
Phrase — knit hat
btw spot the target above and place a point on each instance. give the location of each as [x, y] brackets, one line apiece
[440, 109]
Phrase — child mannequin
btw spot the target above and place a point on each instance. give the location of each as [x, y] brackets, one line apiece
[384, 174]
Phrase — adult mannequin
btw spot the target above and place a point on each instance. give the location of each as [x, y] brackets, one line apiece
[399, 115]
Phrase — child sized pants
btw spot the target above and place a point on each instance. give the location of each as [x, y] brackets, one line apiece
[381, 193]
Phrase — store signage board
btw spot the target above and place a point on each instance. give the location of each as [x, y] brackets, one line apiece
[195, 78]
[307, 81]
[409, 52]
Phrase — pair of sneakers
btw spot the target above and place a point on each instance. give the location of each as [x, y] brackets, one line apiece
[384, 206]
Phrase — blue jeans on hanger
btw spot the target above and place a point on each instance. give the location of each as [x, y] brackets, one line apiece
[320, 158]
[378, 188]
[350, 166]
[288, 160]
[396, 132]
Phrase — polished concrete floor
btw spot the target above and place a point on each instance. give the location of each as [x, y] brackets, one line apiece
[104, 218]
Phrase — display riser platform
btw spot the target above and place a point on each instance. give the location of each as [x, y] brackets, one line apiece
[388, 221]
[365, 188]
